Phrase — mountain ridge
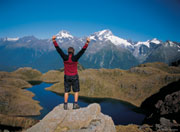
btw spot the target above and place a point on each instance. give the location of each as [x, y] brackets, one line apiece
[117, 52]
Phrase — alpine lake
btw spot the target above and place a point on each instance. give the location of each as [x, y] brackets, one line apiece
[121, 112]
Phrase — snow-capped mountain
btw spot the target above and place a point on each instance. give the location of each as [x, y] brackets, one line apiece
[65, 40]
[105, 51]
[155, 41]
[167, 52]
[29, 42]
[142, 49]
[148, 42]
[64, 35]
[106, 35]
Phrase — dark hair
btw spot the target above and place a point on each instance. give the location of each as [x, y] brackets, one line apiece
[70, 50]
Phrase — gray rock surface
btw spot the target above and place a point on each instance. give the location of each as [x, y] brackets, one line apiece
[171, 104]
[88, 119]
[166, 125]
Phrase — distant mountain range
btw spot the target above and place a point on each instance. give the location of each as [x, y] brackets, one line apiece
[105, 51]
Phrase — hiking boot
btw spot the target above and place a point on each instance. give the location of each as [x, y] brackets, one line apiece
[65, 106]
[76, 106]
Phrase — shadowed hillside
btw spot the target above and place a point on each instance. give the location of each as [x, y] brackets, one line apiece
[165, 103]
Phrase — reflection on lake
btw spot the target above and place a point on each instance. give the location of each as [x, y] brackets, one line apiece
[121, 112]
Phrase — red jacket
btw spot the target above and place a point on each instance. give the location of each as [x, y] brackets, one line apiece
[70, 60]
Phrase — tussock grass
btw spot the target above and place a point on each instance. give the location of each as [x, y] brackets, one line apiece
[28, 74]
[14, 99]
[133, 85]
[133, 128]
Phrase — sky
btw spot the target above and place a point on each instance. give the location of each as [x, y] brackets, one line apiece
[136, 20]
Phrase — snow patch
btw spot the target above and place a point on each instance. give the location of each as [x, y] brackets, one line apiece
[29, 41]
[146, 43]
[12, 39]
[156, 41]
[102, 32]
[92, 38]
[171, 43]
[118, 41]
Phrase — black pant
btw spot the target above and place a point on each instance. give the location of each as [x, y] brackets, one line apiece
[71, 81]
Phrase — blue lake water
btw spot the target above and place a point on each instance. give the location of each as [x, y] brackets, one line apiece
[121, 112]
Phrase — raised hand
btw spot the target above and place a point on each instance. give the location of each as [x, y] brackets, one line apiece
[53, 37]
[87, 40]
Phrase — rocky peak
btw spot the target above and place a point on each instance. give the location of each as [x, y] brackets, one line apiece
[169, 43]
[89, 119]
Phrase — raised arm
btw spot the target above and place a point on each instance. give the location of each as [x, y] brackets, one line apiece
[59, 50]
[80, 53]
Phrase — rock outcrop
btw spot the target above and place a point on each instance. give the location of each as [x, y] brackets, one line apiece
[88, 119]
[170, 104]
[164, 108]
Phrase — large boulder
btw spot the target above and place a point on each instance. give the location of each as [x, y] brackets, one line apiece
[88, 119]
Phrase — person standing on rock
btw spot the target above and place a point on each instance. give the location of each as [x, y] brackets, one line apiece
[71, 77]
